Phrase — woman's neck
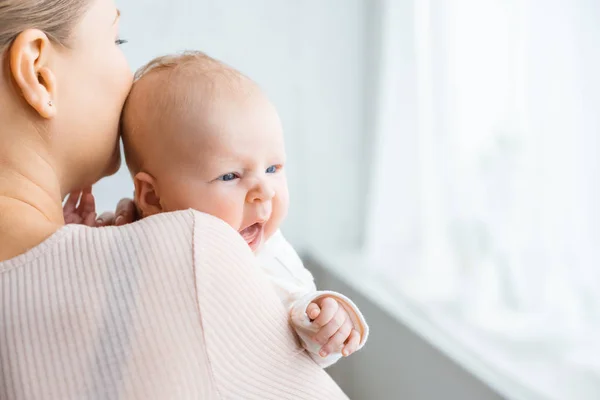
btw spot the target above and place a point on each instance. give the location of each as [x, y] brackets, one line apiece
[30, 195]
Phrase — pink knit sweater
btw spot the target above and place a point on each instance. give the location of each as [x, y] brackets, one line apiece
[171, 307]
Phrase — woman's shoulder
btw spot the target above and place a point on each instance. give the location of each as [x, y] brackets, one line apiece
[185, 219]
[172, 234]
[166, 234]
[163, 237]
[191, 226]
[176, 225]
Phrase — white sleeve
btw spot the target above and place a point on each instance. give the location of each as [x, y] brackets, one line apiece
[296, 288]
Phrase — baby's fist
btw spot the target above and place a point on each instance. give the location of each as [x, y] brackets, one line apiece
[335, 328]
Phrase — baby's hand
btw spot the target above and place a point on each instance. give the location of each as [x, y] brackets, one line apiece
[336, 330]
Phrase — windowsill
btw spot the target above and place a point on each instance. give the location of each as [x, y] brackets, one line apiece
[510, 368]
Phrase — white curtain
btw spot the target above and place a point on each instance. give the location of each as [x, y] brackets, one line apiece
[486, 186]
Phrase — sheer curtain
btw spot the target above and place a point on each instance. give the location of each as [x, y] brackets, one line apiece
[486, 186]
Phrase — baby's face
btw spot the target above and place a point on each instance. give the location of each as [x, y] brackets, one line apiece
[231, 166]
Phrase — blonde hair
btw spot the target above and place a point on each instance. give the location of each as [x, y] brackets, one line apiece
[56, 18]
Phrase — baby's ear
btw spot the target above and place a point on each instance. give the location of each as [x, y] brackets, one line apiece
[146, 194]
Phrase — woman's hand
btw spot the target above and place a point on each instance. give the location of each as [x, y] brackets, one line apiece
[80, 208]
[125, 213]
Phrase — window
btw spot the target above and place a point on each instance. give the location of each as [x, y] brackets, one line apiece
[486, 182]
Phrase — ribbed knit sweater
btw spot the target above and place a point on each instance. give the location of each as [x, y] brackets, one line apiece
[171, 307]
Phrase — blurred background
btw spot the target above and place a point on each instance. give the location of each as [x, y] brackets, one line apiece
[444, 173]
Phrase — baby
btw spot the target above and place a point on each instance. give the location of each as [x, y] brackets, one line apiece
[199, 134]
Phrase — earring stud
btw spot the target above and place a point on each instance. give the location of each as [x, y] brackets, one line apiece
[50, 103]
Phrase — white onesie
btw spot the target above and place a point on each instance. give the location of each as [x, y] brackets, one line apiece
[296, 288]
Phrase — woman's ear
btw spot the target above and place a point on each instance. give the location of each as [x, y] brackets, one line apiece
[29, 67]
[146, 194]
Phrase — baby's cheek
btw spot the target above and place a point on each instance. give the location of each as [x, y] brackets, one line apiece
[279, 212]
[225, 206]
[224, 209]
[281, 201]
[233, 214]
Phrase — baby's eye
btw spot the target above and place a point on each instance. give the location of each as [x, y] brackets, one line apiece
[272, 169]
[227, 177]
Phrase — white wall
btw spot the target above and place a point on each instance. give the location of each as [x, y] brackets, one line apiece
[309, 56]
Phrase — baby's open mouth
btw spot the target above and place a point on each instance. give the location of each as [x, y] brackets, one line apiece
[253, 235]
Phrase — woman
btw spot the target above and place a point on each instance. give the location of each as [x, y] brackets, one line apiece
[168, 308]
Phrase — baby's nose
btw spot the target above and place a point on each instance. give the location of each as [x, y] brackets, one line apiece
[261, 192]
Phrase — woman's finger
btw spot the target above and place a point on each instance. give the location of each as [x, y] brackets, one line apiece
[72, 218]
[71, 203]
[85, 198]
[106, 219]
[87, 204]
[90, 220]
[125, 212]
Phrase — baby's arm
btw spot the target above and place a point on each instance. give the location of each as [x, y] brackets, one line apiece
[337, 320]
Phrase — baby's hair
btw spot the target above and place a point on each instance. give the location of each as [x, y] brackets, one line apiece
[190, 61]
[209, 77]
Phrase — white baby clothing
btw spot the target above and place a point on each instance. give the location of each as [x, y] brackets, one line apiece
[295, 286]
